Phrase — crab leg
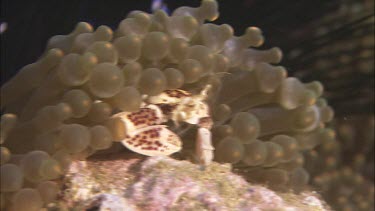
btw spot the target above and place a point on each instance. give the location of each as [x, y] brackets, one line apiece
[204, 148]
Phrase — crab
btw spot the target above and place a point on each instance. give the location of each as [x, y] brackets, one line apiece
[147, 135]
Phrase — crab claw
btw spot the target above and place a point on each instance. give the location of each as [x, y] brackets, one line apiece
[204, 148]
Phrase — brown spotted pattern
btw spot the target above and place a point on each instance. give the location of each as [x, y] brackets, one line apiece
[172, 140]
[153, 140]
[147, 140]
[144, 117]
[177, 93]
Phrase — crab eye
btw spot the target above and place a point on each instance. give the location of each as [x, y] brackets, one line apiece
[182, 115]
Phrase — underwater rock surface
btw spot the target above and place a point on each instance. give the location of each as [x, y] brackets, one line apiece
[162, 183]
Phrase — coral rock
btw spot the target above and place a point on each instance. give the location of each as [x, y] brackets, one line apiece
[162, 183]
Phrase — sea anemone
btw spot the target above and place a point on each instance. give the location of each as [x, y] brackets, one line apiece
[60, 108]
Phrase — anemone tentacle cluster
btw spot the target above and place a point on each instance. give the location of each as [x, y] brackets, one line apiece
[60, 107]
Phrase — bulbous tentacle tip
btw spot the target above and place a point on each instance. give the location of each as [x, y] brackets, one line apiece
[210, 9]
[103, 33]
[7, 123]
[82, 27]
[276, 55]
[54, 53]
[253, 36]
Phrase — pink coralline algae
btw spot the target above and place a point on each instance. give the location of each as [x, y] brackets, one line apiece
[162, 183]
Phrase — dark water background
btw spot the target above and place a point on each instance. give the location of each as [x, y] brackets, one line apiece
[32, 23]
[299, 27]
